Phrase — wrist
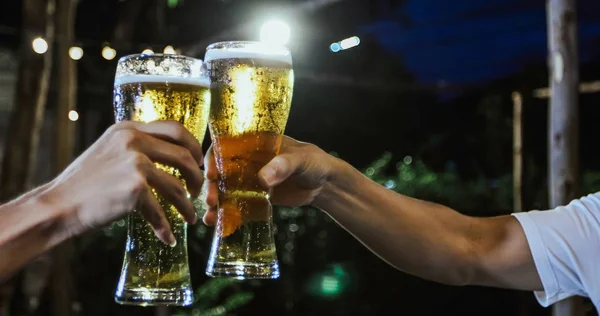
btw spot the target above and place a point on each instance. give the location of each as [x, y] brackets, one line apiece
[62, 215]
[341, 179]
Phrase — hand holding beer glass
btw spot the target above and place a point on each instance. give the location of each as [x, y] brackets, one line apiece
[251, 94]
[149, 88]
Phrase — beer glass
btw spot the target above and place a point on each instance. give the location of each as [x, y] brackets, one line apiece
[251, 94]
[149, 88]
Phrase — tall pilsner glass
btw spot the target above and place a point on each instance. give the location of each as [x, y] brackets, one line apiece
[251, 95]
[149, 88]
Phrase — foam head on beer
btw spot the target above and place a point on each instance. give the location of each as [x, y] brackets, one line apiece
[251, 94]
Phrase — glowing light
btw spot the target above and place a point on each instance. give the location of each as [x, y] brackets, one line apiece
[39, 45]
[75, 52]
[169, 50]
[147, 110]
[335, 47]
[73, 115]
[244, 96]
[345, 44]
[330, 285]
[147, 51]
[275, 32]
[350, 42]
[108, 53]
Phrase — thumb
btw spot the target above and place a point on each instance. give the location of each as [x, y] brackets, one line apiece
[280, 169]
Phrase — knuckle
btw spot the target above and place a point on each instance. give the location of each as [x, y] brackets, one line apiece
[187, 159]
[140, 162]
[138, 183]
[180, 191]
[177, 130]
[115, 128]
[127, 137]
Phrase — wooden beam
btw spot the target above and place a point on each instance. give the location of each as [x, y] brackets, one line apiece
[584, 87]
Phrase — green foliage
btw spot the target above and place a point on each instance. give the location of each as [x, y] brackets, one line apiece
[482, 195]
[207, 298]
[415, 179]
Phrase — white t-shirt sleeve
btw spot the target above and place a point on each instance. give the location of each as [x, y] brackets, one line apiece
[565, 244]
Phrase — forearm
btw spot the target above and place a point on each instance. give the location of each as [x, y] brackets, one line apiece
[29, 226]
[421, 238]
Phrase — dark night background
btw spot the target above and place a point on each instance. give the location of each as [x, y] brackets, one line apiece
[431, 79]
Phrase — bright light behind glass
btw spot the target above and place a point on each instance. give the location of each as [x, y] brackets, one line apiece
[275, 32]
[147, 51]
[39, 45]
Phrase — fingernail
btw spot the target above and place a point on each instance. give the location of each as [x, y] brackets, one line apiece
[172, 241]
[269, 176]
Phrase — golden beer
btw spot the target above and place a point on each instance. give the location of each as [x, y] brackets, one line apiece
[251, 94]
[154, 273]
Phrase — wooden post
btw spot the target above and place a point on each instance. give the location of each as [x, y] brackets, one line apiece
[563, 112]
[62, 281]
[517, 152]
[522, 298]
[26, 118]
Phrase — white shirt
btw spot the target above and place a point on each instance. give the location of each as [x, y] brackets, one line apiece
[565, 243]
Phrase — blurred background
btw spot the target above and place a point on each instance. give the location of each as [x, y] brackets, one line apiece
[418, 94]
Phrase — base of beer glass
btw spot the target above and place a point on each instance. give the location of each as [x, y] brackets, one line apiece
[243, 270]
[155, 297]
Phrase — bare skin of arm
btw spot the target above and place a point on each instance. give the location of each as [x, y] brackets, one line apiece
[30, 225]
[424, 239]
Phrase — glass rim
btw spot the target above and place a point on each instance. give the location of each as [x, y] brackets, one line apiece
[159, 55]
[225, 45]
[172, 68]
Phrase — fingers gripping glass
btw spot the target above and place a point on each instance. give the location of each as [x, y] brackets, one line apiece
[149, 88]
[251, 94]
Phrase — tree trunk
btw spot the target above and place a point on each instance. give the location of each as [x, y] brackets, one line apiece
[62, 280]
[27, 115]
[563, 151]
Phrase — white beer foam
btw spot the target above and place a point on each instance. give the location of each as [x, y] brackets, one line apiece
[250, 52]
[203, 81]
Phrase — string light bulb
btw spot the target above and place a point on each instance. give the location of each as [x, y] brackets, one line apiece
[147, 51]
[109, 53]
[76, 52]
[39, 45]
[73, 115]
[169, 50]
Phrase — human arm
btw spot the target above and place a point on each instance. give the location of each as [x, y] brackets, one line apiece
[426, 239]
[421, 238]
[111, 178]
